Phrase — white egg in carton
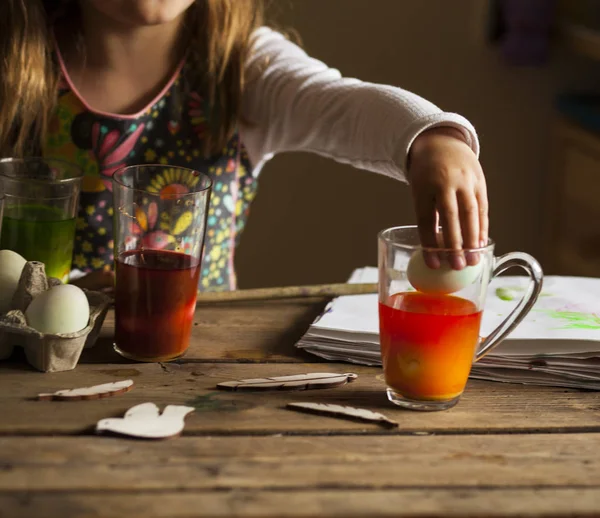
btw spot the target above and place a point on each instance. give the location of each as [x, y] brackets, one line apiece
[48, 351]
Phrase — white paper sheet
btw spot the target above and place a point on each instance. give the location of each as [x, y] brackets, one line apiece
[557, 343]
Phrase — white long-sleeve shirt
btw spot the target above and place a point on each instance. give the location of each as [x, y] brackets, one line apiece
[297, 103]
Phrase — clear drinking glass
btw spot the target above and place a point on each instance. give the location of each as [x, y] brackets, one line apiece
[159, 238]
[429, 340]
[40, 206]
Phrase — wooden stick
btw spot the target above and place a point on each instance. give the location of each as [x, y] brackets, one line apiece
[287, 292]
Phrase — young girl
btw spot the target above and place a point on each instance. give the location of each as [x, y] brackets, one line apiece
[202, 84]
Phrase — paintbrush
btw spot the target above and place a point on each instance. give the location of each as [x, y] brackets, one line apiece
[284, 292]
[287, 292]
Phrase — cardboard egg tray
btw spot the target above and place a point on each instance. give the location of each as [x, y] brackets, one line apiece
[47, 352]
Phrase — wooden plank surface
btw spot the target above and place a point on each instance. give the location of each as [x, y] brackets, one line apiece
[307, 463]
[243, 332]
[481, 503]
[462, 475]
[485, 406]
[504, 450]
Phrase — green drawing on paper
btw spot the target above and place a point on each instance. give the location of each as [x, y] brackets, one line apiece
[507, 294]
[573, 319]
[510, 293]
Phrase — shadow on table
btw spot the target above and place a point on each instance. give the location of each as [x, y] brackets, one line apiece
[17, 361]
[103, 352]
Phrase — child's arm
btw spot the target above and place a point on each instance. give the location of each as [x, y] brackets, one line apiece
[295, 103]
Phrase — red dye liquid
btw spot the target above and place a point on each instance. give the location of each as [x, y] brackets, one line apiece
[155, 301]
[428, 344]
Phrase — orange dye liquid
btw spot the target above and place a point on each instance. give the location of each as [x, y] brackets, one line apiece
[427, 344]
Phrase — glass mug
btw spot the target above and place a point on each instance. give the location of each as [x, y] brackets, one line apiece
[429, 341]
[159, 240]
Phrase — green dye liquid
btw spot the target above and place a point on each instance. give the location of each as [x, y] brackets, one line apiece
[42, 234]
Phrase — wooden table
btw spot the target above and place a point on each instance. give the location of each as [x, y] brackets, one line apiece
[505, 450]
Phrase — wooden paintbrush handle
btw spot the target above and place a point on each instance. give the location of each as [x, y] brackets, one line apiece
[287, 292]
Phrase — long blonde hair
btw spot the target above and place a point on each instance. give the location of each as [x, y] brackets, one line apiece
[219, 33]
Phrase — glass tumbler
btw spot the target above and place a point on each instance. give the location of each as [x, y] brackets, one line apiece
[40, 207]
[159, 238]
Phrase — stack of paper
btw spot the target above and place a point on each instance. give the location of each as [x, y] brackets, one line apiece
[557, 344]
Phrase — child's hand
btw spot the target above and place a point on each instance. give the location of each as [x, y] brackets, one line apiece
[103, 280]
[448, 187]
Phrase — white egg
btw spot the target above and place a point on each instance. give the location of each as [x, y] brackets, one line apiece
[11, 266]
[59, 310]
[442, 280]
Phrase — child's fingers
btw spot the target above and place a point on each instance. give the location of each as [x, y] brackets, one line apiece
[450, 219]
[427, 224]
[484, 221]
[469, 222]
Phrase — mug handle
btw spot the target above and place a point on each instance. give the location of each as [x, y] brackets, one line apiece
[533, 268]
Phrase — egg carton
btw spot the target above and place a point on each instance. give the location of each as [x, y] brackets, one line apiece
[47, 352]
